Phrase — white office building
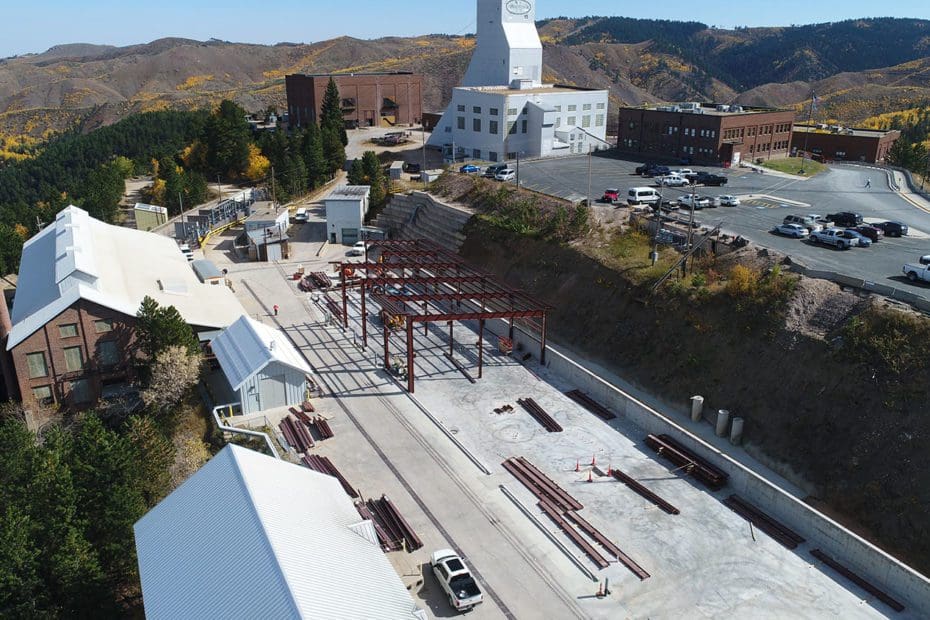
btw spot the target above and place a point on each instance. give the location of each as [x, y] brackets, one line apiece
[346, 207]
[503, 110]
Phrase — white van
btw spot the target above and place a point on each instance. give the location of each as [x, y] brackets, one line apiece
[643, 196]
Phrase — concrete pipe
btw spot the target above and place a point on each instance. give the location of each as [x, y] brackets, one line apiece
[697, 408]
[723, 422]
[736, 431]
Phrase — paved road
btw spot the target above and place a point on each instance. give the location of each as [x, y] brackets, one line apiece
[841, 188]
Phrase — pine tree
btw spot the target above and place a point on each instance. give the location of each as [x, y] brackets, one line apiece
[331, 112]
[158, 328]
[333, 150]
[375, 177]
[357, 173]
[312, 153]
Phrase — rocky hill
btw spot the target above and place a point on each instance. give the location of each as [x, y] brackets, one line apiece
[851, 66]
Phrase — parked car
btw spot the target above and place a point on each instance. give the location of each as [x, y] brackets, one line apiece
[847, 219]
[858, 239]
[917, 273]
[729, 201]
[357, 250]
[893, 229]
[491, 171]
[925, 259]
[795, 231]
[809, 222]
[469, 169]
[684, 172]
[611, 196]
[832, 236]
[870, 231]
[455, 580]
[642, 196]
[708, 179]
[671, 180]
[301, 216]
[507, 174]
[411, 167]
[641, 170]
[655, 171]
[698, 202]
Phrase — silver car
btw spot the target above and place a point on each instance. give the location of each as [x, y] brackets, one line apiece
[728, 201]
[792, 230]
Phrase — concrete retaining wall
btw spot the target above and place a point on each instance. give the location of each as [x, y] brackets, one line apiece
[918, 302]
[419, 215]
[860, 556]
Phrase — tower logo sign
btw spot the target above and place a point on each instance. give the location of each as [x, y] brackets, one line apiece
[519, 7]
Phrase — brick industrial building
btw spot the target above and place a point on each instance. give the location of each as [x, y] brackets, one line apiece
[368, 99]
[705, 133]
[833, 143]
[69, 338]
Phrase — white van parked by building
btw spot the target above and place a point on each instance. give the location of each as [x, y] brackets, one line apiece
[643, 196]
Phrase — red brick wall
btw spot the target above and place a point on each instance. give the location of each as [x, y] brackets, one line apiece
[305, 97]
[48, 340]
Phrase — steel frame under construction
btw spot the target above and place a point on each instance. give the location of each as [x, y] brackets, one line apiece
[418, 281]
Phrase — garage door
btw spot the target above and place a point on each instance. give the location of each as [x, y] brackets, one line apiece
[274, 392]
[274, 252]
[349, 236]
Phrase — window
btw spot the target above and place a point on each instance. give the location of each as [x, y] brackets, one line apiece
[476, 109]
[103, 326]
[476, 153]
[74, 361]
[43, 395]
[476, 125]
[586, 107]
[495, 112]
[461, 122]
[558, 108]
[108, 353]
[448, 129]
[494, 127]
[512, 111]
[571, 121]
[37, 366]
[599, 120]
[523, 126]
[68, 331]
[586, 121]
[511, 127]
[572, 108]
[602, 106]
[492, 155]
[461, 108]
[80, 391]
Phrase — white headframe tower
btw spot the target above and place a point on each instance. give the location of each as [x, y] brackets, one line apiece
[508, 46]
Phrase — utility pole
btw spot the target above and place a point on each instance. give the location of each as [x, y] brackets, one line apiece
[518, 169]
[684, 265]
[423, 133]
[657, 215]
[219, 189]
[589, 174]
[274, 198]
[183, 223]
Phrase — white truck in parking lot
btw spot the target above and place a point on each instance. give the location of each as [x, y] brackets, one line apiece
[917, 273]
[455, 579]
[831, 236]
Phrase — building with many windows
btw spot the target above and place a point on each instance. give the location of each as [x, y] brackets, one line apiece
[70, 339]
[368, 99]
[503, 110]
[705, 133]
[835, 143]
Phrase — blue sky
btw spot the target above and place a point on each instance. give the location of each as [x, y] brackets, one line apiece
[34, 26]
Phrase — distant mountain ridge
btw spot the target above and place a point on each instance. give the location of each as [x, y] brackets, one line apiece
[859, 68]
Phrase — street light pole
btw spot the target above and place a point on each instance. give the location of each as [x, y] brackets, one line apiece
[684, 266]
[589, 174]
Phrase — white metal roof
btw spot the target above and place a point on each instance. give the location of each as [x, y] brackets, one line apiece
[246, 347]
[79, 257]
[349, 192]
[249, 536]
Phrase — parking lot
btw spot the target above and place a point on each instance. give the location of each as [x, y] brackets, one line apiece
[767, 199]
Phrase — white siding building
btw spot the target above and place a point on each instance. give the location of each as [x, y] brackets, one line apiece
[249, 536]
[264, 369]
[346, 208]
[504, 111]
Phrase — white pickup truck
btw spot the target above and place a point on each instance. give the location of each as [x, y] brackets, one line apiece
[831, 236]
[455, 579]
[917, 273]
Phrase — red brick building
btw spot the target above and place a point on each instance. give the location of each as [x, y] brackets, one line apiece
[833, 143]
[368, 99]
[705, 133]
[69, 338]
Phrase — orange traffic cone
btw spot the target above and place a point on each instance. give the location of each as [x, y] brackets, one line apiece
[578, 465]
[594, 461]
[590, 476]
[610, 470]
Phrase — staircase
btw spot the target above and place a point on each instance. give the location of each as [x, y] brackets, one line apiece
[419, 215]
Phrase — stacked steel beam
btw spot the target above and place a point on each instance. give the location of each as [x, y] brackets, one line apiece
[644, 492]
[323, 465]
[591, 405]
[782, 534]
[540, 484]
[296, 434]
[387, 543]
[693, 464]
[540, 415]
[322, 427]
[859, 581]
[395, 530]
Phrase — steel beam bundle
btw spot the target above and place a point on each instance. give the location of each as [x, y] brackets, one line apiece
[322, 427]
[553, 513]
[781, 533]
[540, 415]
[644, 492]
[694, 465]
[323, 465]
[611, 548]
[541, 485]
[437, 286]
[591, 405]
[296, 434]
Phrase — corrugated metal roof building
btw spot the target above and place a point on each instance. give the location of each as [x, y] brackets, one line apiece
[262, 366]
[249, 536]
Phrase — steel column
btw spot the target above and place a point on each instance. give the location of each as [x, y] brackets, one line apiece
[542, 351]
[364, 319]
[451, 341]
[410, 373]
[480, 348]
[387, 355]
[345, 300]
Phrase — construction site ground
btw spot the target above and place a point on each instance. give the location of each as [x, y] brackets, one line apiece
[705, 562]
